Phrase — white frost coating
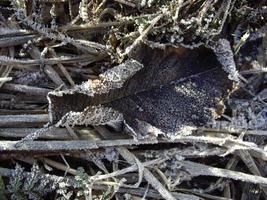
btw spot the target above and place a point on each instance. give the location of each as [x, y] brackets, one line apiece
[187, 130]
[148, 129]
[224, 54]
[85, 88]
[143, 130]
[116, 77]
[95, 115]
[4, 30]
[196, 169]
[183, 131]
[152, 131]
[111, 79]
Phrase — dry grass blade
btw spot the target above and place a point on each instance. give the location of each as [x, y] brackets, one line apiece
[48, 69]
[29, 90]
[5, 79]
[230, 144]
[250, 163]
[59, 134]
[151, 179]
[63, 69]
[23, 120]
[47, 61]
[196, 169]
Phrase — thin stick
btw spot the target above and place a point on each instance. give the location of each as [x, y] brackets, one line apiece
[10, 41]
[59, 166]
[63, 69]
[247, 132]
[132, 168]
[128, 3]
[29, 90]
[72, 133]
[196, 169]
[5, 79]
[250, 163]
[142, 35]
[151, 179]
[23, 120]
[48, 69]
[46, 61]
[78, 145]
[57, 134]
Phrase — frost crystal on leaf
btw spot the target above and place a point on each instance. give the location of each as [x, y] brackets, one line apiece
[161, 92]
[225, 56]
[95, 115]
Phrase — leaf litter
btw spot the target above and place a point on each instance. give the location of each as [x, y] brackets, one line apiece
[164, 92]
[132, 99]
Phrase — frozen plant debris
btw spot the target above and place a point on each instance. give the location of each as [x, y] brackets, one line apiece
[138, 94]
[225, 56]
[94, 115]
[157, 92]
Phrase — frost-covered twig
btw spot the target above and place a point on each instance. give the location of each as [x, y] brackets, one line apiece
[129, 49]
[23, 120]
[196, 169]
[29, 90]
[151, 179]
[45, 61]
[229, 144]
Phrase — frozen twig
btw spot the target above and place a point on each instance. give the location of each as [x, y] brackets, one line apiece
[5, 79]
[64, 146]
[142, 35]
[46, 61]
[48, 69]
[151, 179]
[23, 120]
[57, 134]
[127, 170]
[29, 90]
[59, 166]
[196, 169]
[237, 132]
[250, 163]
[63, 69]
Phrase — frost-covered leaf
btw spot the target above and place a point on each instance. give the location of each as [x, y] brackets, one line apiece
[159, 91]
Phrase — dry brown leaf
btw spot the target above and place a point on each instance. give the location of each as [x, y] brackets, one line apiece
[159, 91]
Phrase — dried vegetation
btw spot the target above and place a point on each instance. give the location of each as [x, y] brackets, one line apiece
[133, 99]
